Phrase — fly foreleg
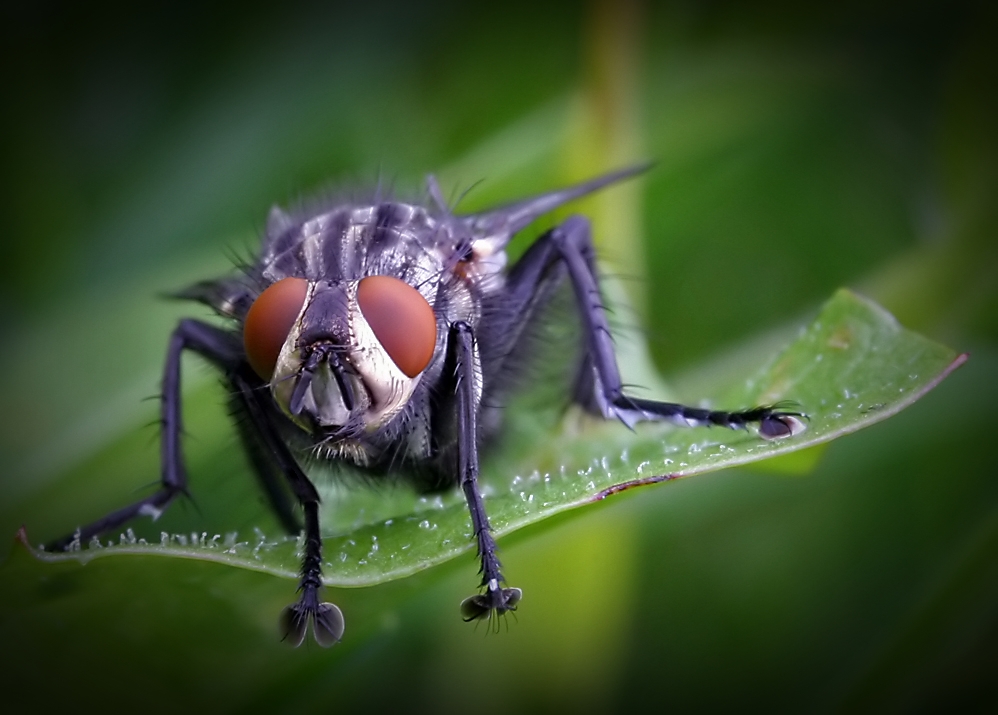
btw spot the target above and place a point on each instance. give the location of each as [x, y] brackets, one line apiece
[496, 598]
[326, 618]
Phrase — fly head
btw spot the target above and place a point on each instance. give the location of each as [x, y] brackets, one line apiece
[341, 357]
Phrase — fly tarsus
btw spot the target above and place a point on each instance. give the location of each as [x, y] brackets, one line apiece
[774, 421]
[152, 506]
[325, 618]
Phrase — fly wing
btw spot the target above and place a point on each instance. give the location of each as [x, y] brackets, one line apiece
[503, 222]
[229, 297]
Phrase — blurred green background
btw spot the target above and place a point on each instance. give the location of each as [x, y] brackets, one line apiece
[798, 148]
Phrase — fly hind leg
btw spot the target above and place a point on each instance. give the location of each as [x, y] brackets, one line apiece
[568, 249]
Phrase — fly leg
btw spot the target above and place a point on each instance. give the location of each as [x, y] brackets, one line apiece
[225, 350]
[462, 357]
[265, 465]
[599, 389]
[220, 348]
[326, 618]
[270, 477]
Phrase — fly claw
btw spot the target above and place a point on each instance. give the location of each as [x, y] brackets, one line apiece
[326, 620]
[373, 335]
[494, 602]
[781, 424]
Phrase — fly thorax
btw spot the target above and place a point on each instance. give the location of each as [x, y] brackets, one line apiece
[487, 264]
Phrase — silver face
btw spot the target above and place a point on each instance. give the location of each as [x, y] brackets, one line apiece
[380, 389]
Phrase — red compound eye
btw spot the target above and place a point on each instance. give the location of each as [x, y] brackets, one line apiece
[269, 321]
[401, 319]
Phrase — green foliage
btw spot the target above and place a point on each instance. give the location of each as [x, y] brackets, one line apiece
[797, 152]
[852, 367]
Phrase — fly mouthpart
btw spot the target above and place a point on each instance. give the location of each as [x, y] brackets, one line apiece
[302, 384]
[318, 357]
[339, 373]
[304, 381]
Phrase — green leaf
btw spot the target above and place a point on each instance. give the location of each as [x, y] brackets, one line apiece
[797, 152]
[851, 367]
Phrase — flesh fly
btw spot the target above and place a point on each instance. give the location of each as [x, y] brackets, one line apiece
[376, 334]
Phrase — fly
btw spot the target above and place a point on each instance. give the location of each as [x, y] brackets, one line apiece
[377, 335]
